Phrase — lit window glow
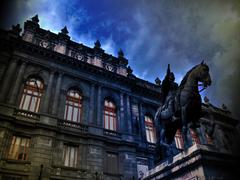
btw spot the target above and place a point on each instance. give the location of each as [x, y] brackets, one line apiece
[19, 149]
[110, 115]
[150, 130]
[73, 106]
[31, 96]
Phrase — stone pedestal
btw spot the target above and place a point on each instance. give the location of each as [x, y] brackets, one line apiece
[197, 162]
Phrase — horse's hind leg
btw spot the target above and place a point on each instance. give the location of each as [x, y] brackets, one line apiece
[163, 138]
[184, 126]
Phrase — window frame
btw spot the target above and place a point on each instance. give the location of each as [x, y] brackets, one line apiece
[76, 106]
[150, 129]
[110, 115]
[179, 141]
[15, 149]
[67, 155]
[32, 92]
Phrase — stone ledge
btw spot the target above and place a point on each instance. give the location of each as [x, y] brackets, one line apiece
[190, 160]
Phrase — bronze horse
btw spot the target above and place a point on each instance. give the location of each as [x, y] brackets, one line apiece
[187, 105]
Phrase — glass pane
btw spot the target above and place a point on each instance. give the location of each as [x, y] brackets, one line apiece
[23, 142]
[77, 95]
[18, 140]
[33, 104]
[36, 93]
[69, 113]
[152, 137]
[21, 104]
[106, 121]
[79, 115]
[32, 83]
[111, 123]
[147, 135]
[38, 104]
[26, 102]
[105, 103]
[75, 111]
[66, 156]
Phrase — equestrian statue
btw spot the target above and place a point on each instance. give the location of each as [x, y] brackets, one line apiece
[181, 105]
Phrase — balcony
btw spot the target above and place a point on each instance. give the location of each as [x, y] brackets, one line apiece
[64, 124]
[111, 133]
[28, 114]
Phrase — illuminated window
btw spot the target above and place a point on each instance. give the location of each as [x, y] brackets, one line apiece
[194, 136]
[31, 96]
[110, 115]
[209, 139]
[19, 149]
[73, 107]
[150, 130]
[179, 139]
[70, 156]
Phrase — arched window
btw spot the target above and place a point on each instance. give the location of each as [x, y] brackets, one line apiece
[32, 94]
[179, 139]
[150, 130]
[109, 115]
[73, 106]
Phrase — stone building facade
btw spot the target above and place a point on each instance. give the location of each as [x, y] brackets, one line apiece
[72, 112]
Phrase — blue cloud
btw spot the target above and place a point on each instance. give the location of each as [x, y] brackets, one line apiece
[152, 35]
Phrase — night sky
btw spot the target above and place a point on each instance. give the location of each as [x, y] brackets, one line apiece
[152, 33]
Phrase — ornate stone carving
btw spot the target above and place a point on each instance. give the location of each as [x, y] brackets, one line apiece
[35, 19]
[16, 29]
[44, 44]
[64, 30]
[97, 44]
[158, 81]
[110, 67]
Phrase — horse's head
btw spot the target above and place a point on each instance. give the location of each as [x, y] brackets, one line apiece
[203, 74]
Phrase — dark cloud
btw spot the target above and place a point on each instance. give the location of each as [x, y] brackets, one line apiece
[153, 34]
[182, 33]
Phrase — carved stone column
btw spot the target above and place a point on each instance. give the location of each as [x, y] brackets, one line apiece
[129, 119]
[57, 94]
[17, 84]
[99, 106]
[141, 120]
[91, 105]
[122, 119]
[7, 79]
[48, 93]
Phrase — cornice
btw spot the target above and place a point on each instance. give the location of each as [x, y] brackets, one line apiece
[135, 84]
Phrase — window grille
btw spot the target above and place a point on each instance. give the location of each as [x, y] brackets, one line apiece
[73, 106]
[110, 116]
[150, 130]
[19, 149]
[31, 96]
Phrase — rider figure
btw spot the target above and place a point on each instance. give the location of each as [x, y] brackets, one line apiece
[169, 88]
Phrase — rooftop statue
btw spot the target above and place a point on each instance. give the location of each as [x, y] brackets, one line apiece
[181, 106]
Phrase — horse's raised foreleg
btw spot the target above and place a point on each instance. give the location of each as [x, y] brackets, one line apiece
[184, 126]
